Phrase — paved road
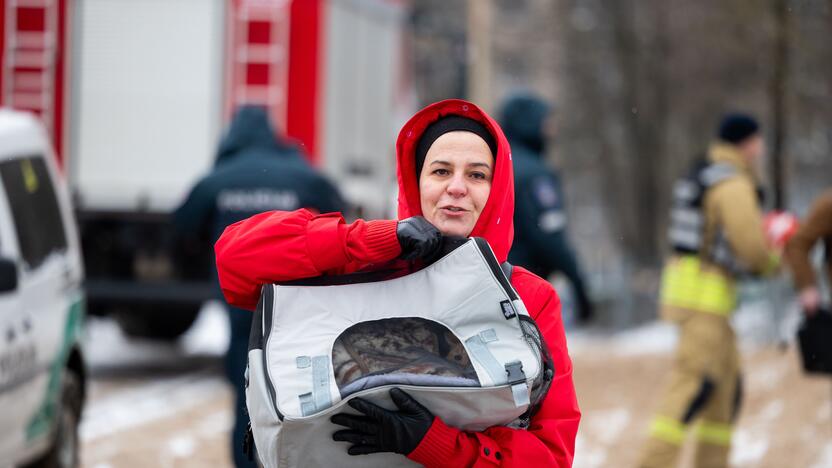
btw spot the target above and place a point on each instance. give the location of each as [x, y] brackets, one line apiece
[158, 405]
[786, 418]
[152, 405]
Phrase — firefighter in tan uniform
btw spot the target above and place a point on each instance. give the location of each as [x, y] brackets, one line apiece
[717, 235]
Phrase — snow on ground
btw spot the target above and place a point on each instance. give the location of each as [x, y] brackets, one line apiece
[619, 377]
[606, 426]
[759, 322]
[209, 334]
[137, 381]
[107, 346]
[651, 338]
[825, 460]
[146, 402]
[155, 404]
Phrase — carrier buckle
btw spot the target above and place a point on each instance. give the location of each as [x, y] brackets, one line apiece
[517, 380]
[515, 373]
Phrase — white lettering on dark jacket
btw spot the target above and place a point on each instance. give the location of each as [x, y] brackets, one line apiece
[257, 200]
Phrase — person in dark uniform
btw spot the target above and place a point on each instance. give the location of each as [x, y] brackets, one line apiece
[255, 171]
[540, 243]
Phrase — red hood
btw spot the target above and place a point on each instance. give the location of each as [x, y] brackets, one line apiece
[496, 223]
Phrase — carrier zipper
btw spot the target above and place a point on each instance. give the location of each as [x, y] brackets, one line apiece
[545, 364]
[268, 294]
[334, 408]
[248, 443]
[527, 339]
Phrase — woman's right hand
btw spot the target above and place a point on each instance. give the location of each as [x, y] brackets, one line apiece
[418, 238]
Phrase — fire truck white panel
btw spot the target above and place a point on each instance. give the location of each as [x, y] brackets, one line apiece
[361, 56]
[147, 100]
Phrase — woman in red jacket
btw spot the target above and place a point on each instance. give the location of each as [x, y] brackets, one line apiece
[455, 178]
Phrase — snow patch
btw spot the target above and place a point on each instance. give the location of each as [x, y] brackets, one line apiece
[610, 423]
[824, 411]
[825, 458]
[769, 377]
[586, 456]
[210, 332]
[148, 402]
[606, 427]
[747, 448]
[771, 411]
[218, 422]
[652, 338]
[768, 312]
[182, 446]
[107, 346]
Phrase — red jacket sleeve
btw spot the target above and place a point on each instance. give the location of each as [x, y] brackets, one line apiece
[549, 440]
[288, 245]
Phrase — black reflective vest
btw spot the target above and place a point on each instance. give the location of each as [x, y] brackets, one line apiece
[687, 216]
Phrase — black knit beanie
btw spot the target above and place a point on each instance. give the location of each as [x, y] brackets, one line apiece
[735, 128]
[450, 123]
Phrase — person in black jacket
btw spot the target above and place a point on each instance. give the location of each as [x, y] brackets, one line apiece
[540, 243]
[255, 171]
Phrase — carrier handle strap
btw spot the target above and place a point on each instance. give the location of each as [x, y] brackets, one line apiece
[496, 268]
[478, 347]
[449, 244]
[508, 269]
[319, 398]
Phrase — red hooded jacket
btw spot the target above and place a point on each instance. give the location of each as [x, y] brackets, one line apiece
[282, 246]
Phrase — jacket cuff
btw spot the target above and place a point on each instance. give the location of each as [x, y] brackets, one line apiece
[437, 447]
[380, 241]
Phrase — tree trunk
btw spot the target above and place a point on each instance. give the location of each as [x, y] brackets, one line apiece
[778, 99]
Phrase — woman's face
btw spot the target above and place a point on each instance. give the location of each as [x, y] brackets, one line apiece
[455, 182]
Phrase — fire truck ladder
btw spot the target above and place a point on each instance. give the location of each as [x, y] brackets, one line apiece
[260, 56]
[30, 55]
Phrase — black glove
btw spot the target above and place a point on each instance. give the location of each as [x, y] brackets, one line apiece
[418, 238]
[381, 430]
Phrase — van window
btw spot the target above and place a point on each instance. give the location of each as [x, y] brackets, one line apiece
[37, 217]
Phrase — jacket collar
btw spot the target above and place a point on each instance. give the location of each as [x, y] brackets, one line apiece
[726, 153]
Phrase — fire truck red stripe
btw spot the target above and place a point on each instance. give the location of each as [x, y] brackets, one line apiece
[305, 46]
[60, 73]
[3, 33]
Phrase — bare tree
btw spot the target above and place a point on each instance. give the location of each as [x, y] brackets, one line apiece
[638, 88]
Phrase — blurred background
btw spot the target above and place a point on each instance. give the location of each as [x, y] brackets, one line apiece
[135, 96]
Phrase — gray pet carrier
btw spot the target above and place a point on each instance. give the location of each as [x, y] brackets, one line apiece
[454, 335]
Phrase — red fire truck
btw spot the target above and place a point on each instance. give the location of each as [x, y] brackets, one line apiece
[135, 94]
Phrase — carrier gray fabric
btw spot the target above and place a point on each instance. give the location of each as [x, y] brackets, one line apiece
[454, 335]
[307, 443]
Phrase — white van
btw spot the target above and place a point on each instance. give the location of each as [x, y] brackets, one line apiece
[41, 302]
